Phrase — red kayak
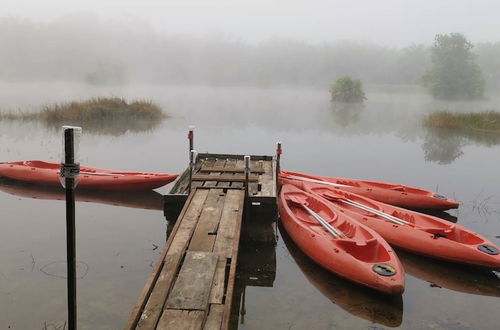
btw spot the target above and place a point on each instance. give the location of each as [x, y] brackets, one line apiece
[338, 243]
[390, 193]
[412, 231]
[44, 173]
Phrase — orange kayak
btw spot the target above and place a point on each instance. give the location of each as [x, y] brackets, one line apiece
[390, 193]
[412, 231]
[338, 243]
[45, 173]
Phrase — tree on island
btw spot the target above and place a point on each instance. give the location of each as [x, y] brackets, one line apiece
[347, 90]
[454, 74]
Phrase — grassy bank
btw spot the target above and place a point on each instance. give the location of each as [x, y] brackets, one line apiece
[100, 115]
[483, 121]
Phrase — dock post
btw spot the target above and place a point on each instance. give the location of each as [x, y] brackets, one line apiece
[191, 138]
[247, 175]
[70, 170]
[278, 167]
[191, 167]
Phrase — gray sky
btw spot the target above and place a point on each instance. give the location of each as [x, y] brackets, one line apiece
[389, 22]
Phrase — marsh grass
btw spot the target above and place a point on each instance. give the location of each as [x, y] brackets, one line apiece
[102, 115]
[488, 121]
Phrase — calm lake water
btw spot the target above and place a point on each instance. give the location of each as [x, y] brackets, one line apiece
[117, 245]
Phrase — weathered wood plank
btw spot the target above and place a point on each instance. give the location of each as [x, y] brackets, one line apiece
[232, 271]
[231, 215]
[252, 186]
[148, 287]
[214, 318]
[230, 163]
[217, 292]
[181, 320]
[239, 163]
[267, 180]
[257, 170]
[154, 307]
[188, 223]
[217, 163]
[192, 287]
[206, 229]
[232, 156]
[224, 177]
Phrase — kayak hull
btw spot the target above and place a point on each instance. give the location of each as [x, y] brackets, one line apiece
[390, 193]
[353, 256]
[423, 234]
[45, 173]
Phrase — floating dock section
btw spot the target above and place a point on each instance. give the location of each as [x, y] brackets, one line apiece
[192, 285]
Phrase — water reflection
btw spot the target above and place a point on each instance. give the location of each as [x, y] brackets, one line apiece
[143, 200]
[116, 127]
[346, 114]
[444, 145]
[451, 276]
[353, 298]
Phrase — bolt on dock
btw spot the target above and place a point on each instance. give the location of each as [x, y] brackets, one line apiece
[193, 283]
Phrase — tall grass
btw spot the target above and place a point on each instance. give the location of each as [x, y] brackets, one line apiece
[100, 115]
[484, 121]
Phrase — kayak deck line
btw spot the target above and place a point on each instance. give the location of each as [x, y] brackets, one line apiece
[194, 281]
[294, 177]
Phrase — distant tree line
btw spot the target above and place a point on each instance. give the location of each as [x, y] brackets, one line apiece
[102, 52]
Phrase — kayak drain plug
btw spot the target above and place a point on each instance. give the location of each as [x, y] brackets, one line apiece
[384, 269]
[488, 249]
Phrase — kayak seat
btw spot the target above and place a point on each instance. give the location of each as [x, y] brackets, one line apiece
[348, 228]
[365, 250]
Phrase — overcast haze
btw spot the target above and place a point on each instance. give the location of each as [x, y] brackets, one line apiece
[387, 22]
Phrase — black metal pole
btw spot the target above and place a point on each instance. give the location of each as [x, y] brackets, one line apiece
[69, 159]
[191, 155]
[278, 165]
[247, 174]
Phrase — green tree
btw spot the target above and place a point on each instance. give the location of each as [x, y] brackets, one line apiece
[347, 90]
[454, 74]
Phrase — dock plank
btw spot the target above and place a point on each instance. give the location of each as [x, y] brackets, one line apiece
[239, 163]
[192, 287]
[217, 291]
[188, 223]
[214, 318]
[173, 319]
[151, 280]
[206, 229]
[228, 303]
[257, 170]
[231, 212]
[224, 178]
[216, 163]
[154, 307]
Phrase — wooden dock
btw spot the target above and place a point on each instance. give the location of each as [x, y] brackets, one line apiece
[193, 283]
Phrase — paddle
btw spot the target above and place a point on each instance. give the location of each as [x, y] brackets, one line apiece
[366, 208]
[323, 222]
[351, 202]
[294, 177]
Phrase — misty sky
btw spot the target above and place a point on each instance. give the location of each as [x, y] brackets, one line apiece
[389, 22]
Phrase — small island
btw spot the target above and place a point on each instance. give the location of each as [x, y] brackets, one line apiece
[105, 115]
[488, 121]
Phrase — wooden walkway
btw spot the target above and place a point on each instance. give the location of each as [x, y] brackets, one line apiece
[192, 284]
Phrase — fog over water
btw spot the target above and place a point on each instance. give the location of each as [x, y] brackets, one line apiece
[388, 22]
